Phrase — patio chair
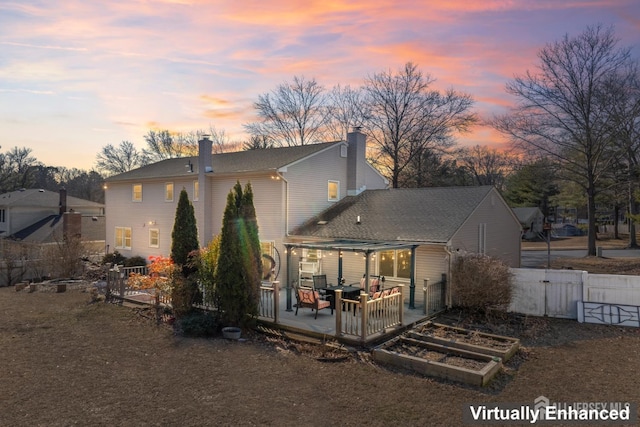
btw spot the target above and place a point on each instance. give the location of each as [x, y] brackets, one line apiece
[320, 284]
[309, 298]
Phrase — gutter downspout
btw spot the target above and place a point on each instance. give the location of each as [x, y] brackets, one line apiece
[288, 249]
[447, 249]
[286, 202]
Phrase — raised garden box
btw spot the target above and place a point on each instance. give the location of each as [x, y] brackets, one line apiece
[465, 339]
[438, 361]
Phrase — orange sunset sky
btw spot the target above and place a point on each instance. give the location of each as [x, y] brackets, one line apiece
[77, 75]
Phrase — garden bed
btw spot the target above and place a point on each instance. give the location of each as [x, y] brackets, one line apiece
[465, 339]
[438, 361]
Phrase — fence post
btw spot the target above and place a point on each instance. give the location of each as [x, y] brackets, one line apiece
[364, 315]
[402, 291]
[443, 292]
[276, 300]
[425, 290]
[338, 309]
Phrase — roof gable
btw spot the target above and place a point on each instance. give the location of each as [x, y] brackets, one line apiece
[404, 214]
[269, 159]
[42, 198]
[527, 214]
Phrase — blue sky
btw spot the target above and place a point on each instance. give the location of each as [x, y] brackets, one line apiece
[77, 75]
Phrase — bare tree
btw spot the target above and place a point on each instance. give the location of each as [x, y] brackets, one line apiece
[487, 166]
[345, 110]
[258, 142]
[17, 169]
[292, 114]
[162, 144]
[560, 109]
[406, 117]
[114, 160]
[623, 103]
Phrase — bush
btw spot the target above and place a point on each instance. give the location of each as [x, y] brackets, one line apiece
[114, 258]
[184, 294]
[198, 324]
[479, 282]
[134, 261]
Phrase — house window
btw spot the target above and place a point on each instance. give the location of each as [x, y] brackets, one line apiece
[482, 238]
[395, 263]
[168, 192]
[2, 215]
[333, 191]
[154, 237]
[196, 191]
[136, 190]
[123, 238]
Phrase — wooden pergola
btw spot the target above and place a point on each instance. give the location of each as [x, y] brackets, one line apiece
[365, 247]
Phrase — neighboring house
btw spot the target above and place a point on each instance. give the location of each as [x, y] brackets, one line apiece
[532, 221]
[290, 185]
[41, 216]
[409, 234]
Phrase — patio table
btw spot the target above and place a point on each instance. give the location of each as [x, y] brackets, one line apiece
[348, 292]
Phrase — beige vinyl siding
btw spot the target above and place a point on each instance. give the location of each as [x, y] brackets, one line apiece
[308, 183]
[502, 231]
[152, 212]
[267, 200]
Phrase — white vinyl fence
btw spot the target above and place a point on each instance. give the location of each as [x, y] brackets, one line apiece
[574, 294]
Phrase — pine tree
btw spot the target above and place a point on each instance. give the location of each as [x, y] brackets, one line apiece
[184, 240]
[238, 270]
[185, 233]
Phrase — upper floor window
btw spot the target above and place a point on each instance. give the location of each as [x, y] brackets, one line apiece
[196, 191]
[136, 190]
[395, 263]
[154, 237]
[168, 192]
[123, 238]
[2, 218]
[333, 191]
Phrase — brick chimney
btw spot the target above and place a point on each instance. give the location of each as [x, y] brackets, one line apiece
[71, 225]
[63, 201]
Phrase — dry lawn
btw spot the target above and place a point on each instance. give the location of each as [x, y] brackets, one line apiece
[67, 361]
[595, 265]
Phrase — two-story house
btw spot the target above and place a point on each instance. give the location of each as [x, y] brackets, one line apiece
[290, 185]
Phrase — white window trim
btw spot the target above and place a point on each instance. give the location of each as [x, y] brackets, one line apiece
[115, 240]
[331, 181]
[133, 193]
[156, 230]
[166, 185]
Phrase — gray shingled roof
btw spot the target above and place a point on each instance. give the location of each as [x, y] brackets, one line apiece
[236, 162]
[42, 198]
[525, 214]
[431, 215]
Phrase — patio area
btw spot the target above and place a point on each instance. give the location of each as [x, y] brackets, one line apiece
[324, 326]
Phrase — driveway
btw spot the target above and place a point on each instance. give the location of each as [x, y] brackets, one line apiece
[539, 258]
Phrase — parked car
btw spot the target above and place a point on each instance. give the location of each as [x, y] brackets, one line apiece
[567, 230]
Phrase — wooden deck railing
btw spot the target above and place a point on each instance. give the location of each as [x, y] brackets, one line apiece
[269, 300]
[367, 316]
